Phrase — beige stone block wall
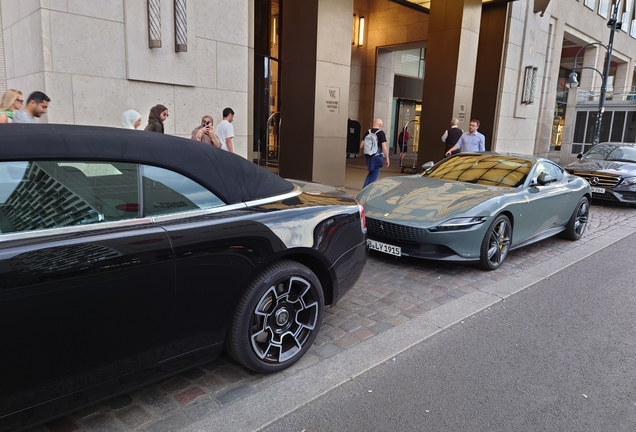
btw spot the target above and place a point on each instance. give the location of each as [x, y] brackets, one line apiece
[92, 58]
[3, 75]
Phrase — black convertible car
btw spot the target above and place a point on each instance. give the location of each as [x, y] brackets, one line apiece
[127, 256]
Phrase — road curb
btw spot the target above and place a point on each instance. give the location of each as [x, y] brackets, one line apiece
[283, 397]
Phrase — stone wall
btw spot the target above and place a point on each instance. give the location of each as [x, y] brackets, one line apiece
[91, 57]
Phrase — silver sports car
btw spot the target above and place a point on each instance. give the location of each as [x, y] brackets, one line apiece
[475, 207]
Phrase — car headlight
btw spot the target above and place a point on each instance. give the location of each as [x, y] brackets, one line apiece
[461, 223]
[628, 181]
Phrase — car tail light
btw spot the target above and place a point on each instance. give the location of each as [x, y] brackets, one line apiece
[363, 220]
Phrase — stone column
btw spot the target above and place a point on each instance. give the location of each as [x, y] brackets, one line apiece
[315, 75]
[623, 78]
[451, 58]
[382, 104]
[588, 79]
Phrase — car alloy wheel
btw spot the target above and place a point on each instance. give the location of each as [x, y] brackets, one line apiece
[277, 319]
[578, 221]
[496, 243]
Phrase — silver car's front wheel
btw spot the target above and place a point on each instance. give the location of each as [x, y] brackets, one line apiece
[496, 243]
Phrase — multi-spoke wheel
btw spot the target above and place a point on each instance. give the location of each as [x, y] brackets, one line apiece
[578, 221]
[277, 319]
[496, 243]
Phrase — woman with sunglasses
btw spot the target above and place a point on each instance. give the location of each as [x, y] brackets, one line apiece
[158, 115]
[12, 101]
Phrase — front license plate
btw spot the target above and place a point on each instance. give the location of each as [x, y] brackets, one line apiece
[598, 190]
[383, 247]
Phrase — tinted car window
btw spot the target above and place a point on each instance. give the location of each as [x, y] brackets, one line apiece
[168, 192]
[623, 154]
[50, 194]
[550, 169]
[490, 170]
[599, 152]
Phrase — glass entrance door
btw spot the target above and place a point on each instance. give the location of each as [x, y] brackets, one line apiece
[267, 120]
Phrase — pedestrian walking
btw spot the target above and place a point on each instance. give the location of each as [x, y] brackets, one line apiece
[225, 130]
[12, 102]
[375, 150]
[130, 119]
[37, 104]
[158, 114]
[403, 141]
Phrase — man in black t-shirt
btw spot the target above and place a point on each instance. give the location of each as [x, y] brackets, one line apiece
[374, 163]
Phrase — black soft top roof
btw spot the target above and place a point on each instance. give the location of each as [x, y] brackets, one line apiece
[231, 177]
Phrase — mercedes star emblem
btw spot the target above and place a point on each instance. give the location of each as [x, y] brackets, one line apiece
[594, 181]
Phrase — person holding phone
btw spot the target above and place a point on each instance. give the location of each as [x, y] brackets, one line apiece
[205, 132]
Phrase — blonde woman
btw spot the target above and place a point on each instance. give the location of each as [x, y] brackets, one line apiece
[12, 101]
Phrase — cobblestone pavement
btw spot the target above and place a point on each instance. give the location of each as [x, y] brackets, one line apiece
[390, 292]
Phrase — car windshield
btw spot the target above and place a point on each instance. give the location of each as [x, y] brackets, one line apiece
[486, 169]
[612, 153]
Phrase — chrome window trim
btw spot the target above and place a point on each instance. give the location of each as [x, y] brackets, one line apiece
[50, 232]
[194, 213]
[46, 232]
[297, 191]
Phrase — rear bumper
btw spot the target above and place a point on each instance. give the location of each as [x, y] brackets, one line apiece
[348, 269]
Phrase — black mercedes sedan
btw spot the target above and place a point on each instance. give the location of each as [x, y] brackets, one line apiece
[128, 256]
[611, 170]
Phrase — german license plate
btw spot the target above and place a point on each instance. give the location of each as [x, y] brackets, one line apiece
[598, 190]
[383, 247]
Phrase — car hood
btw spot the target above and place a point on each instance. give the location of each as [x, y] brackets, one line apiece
[609, 167]
[321, 191]
[415, 200]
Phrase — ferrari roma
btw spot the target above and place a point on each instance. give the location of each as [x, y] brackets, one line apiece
[128, 256]
[611, 170]
[475, 208]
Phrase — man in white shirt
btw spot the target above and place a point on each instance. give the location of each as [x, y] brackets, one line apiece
[225, 131]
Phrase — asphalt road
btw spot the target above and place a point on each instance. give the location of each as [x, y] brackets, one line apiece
[559, 356]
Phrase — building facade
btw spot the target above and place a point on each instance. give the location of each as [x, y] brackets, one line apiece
[296, 72]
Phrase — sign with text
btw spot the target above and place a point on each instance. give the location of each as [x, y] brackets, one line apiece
[333, 99]
[461, 112]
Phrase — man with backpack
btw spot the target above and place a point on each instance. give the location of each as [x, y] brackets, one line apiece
[375, 150]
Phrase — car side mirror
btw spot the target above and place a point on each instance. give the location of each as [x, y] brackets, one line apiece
[544, 179]
[579, 156]
[427, 165]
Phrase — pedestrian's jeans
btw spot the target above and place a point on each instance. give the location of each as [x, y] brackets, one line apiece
[372, 176]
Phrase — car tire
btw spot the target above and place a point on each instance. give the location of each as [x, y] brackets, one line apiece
[496, 243]
[578, 221]
[277, 318]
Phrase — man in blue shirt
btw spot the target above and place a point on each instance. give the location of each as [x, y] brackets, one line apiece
[471, 141]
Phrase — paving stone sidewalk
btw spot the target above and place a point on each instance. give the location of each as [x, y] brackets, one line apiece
[390, 292]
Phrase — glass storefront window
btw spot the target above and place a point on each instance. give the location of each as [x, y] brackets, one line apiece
[617, 126]
[579, 127]
[591, 125]
[630, 128]
[606, 124]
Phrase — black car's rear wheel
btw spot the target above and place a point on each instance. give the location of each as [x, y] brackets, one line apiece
[496, 243]
[578, 221]
[277, 319]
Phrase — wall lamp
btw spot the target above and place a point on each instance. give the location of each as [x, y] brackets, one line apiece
[357, 31]
[361, 32]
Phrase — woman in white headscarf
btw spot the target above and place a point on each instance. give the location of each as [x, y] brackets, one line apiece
[131, 119]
